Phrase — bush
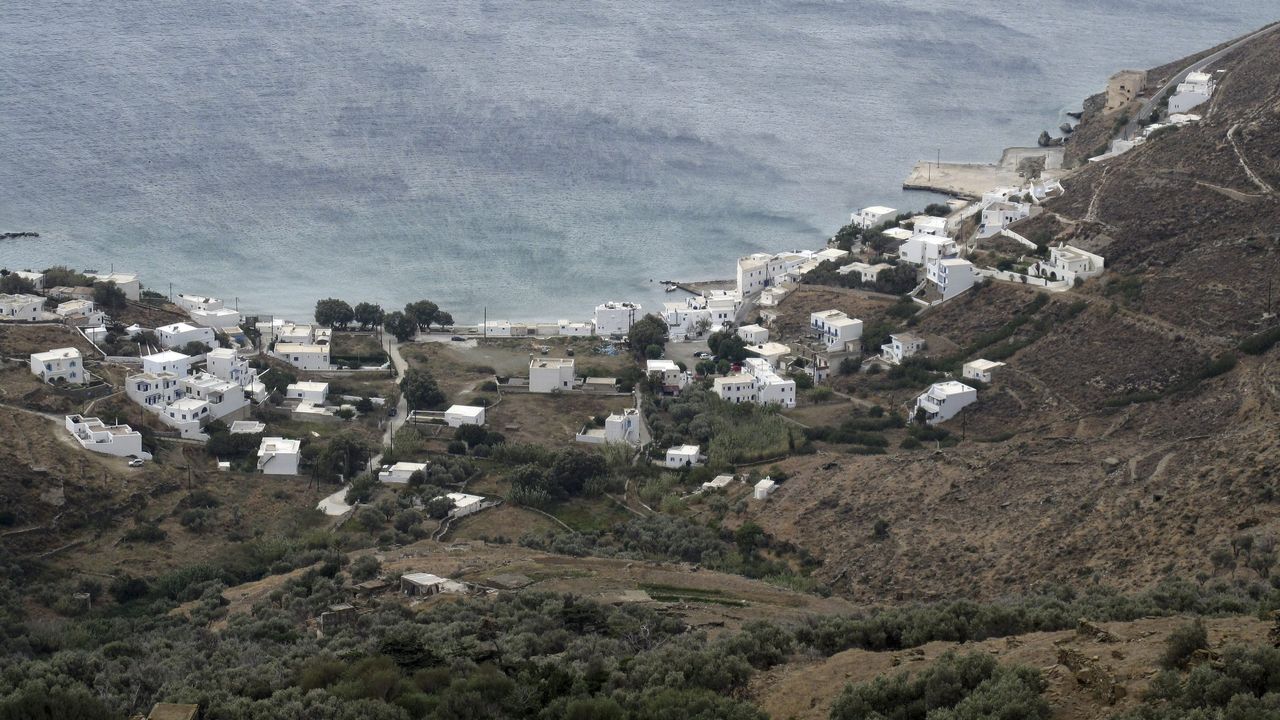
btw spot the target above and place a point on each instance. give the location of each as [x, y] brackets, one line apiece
[1259, 343]
[144, 533]
[1183, 642]
[456, 447]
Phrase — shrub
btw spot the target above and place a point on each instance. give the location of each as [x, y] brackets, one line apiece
[1183, 642]
[1259, 343]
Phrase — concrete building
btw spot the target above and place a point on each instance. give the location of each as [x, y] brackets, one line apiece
[465, 504]
[736, 388]
[922, 248]
[279, 456]
[65, 364]
[718, 482]
[575, 329]
[197, 302]
[622, 427]
[614, 319]
[304, 357]
[297, 333]
[944, 400]
[248, 427]
[900, 347]
[421, 584]
[35, 278]
[1068, 263]
[26, 308]
[929, 225]
[313, 392]
[399, 473]
[551, 375]
[980, 370]
[950, 276]
[770, 352]
[758, 271]
[683, 456]
[865, 272]
[835, 329]
[669, 374]
[167, 361]
[226, 400]
[153, 391]
[80, 313]
[188, 416]
[459, 415]
[753, 334]
[873, 217]
[1001, 214]
[222, 318]
[495, 328]
[1124, 87]
[179, 334]
[96, 436]
[1191, 93]
[764, 489]
[770, 388]
[127, 282]
[226, 364]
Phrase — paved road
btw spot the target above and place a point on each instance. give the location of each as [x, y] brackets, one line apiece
[402, 407]
[1145, 111]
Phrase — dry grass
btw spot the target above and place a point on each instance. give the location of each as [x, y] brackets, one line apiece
[550, 420]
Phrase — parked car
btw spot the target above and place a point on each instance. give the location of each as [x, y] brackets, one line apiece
[136, 462]
[391, 412]
[458, 338]
[702, 355]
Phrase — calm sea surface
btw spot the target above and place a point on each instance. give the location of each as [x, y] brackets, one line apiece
[532, 157]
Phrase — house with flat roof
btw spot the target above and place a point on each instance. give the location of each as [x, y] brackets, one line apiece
[459, 415]
[614, 319]
[872, 217]
[26, 308]
[128, 282]
[399, 473]
[248, 427]
[923, 248]
[835, 329]
[668, 374]
[304, 357]
[188, 416]
[153, 391]
[929, 225]
[80, 313]
[900, 347]
[167, 361]
[221, 318]
[764, 489]
[980, 370]
[314, 392]
[736, 388]
[35, 278]
[96, 436]
[226, 364]
[998, 215]
[180, 333]
[753, 334]
[1067, 262]
[197, 302]
[226, 400]
[619, 427]
[60, 364]
[279, 456]
[683, 456]
[950, 276]
[718, 482]
[548, 375]
[465, 504]
[770, 352]
[575, 329]
[944, 400]
[865, 272]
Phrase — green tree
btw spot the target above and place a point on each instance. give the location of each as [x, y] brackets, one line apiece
[368, 315]
[443, 319]
[420, 389]
[332, 312]
[400, 325]
[727, 345]
[423, 312]
[106, 296]
[13, 284]
[573, 469]
[649, 331]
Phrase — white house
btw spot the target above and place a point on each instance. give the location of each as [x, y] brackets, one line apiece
[96, 436]
[399, 473]
[753, 334]
[770, 352]
[1001, 214]
[770, 388]
[222, 318]
[188, 415]
[459, 415]
[197, 302]
[167, 361]
[465, 504]
[179, 334]
[550, 374]
[623, 427]
[1068, 263]
[673, 379]
[128, 282]
[764, 489]
[153, 391]
[929, 225]
[81, 313]
[866, 273]
[922, 248]
[616, 318]
[1192, 92]
[951, 276]
[575, 329]
[944, 400]
[228, 365]
[226, 399]
[835, 329]
[758, 271]
[771, 296]
[494, 328]
[304, 357]
[22, 307]
[314, 392]
[683, 456]
[874, 216]
[297, 333]
[279, 456]
[737, 388]
[900, 347]
[35, 278]
[980, 370]
[64, 364]
[718, 482]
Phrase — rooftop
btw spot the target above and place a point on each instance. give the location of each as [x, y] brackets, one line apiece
[684, 450]
[279, 445]
[550, 362]
[55, 354]
[166, 356]
[468, 410]
[878, 210]
[310, 386]
[177, 327]
[247, 427]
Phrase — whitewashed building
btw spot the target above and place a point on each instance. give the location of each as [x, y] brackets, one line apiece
[188, 416]
[900, 347]
[944, 400]
[1191, 93]
[758, 271]
[495, 328]
[127, 282]
[197, 302]
[736, 388]
[221, 318]
[683, 456]
[872, 217]
[668, 373]
[551, 375]
[1067, 262]
[614, 319]
[96, 436]
[923, 248]
[770, 387]
[314, 392]
[929, 225]
[228, 365]
[153, 391]
[619, 427]
[980, 370]
[65, 364]
[304, 357]
[459, 415]
[399, 473]
[835, 329]
[179, 334]
[279, 456]
[753, 334]
[575, 329]
[226, 399]
[1000, 214]
[867, 273]
[27, 308]
[35, 278]
[82, 313]
[167, 361]
[248, 427]
[950, 276]
[770, 352]
[764, 489]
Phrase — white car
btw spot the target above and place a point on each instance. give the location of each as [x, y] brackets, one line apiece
[136, 462]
